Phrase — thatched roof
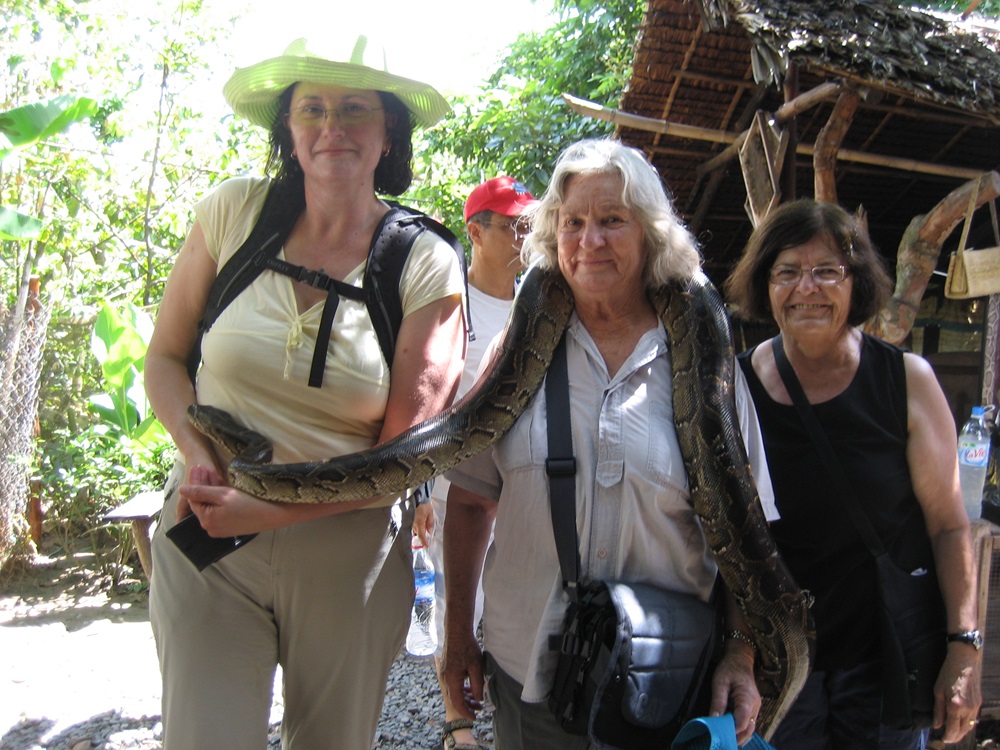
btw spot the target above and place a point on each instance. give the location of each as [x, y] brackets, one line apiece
[929, 86]
[933, 56]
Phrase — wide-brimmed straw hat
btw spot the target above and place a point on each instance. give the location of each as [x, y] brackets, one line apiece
[355, 62]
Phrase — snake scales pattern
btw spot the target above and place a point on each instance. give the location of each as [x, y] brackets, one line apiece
[722, 488]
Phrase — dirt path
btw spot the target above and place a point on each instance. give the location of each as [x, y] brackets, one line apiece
[78, 669]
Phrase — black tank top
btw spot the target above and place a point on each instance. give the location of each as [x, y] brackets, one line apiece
[867, 427]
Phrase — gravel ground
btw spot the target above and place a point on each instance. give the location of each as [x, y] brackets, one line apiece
[78, 669]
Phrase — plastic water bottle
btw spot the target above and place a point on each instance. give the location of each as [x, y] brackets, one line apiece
[421, 640]
[973, 460]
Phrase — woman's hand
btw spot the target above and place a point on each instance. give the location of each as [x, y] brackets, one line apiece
[201, 469]
[734, 689]
[957, 693]
[225, 511]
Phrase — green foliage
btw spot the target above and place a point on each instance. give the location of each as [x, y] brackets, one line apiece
[119, 344]
[518, 123]
[24, 126]
[126, 450]
[985, 7]
[113, 197]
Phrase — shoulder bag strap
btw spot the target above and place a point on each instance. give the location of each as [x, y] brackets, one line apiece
[561, 469]
[823, 447]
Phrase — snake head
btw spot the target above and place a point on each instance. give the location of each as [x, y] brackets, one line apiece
[222, 429]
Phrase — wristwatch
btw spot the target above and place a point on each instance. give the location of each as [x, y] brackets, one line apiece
[972, 637]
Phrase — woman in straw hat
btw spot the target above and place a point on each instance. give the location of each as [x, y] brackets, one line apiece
[323, 590]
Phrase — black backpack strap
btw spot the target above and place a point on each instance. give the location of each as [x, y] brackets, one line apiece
[277, 216]
[390, 249]
[335, 289]
[387, 255]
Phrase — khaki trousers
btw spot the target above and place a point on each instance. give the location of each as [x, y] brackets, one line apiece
[329, 600]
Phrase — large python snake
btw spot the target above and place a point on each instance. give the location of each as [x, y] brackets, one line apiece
[722, 488]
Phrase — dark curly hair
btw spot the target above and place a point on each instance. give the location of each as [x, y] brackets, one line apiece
[794, 224]
[394, 172]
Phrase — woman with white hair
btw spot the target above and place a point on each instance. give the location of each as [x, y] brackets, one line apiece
[606, 224]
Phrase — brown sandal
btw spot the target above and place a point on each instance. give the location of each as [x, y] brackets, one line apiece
[451, 726]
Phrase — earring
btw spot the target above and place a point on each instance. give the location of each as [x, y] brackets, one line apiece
[386, 150]
[295, 155]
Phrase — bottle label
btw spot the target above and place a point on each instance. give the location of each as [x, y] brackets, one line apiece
[424, 582]
[974, 455]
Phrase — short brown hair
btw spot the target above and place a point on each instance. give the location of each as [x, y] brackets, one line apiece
[794, 224]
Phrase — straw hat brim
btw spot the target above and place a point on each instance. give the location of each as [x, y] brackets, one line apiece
[253, 92]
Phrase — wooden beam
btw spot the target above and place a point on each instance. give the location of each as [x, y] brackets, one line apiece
[648, 124]
[808, 100]
[981, 120]
[678, 130]
[737, 83]
[928, 107]
[784, 113]
[828, 145]
[968, 11]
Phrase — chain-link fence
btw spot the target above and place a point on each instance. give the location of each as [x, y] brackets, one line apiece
[22, 341]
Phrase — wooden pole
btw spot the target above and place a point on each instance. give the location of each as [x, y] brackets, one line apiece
[828, 144]
[968, 12]
[784, 113]
[787, 176]
[649, 124]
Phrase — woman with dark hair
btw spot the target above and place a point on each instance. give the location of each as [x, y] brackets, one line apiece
[323, 590]
[394, 171]
[812, 269]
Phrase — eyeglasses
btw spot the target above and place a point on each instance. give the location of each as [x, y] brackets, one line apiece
[518, 227]
[347, 114]
[825, 275]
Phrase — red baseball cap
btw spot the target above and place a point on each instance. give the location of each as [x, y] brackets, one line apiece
[502, 195]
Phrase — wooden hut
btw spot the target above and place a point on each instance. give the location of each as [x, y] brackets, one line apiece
[881, 107]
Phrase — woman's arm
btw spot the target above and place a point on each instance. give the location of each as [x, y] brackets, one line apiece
[168, 386]
[427, 366]
[466, 536]
[933, 461]
[733, 686]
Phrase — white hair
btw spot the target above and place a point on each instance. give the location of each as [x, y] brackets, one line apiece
[672, 253]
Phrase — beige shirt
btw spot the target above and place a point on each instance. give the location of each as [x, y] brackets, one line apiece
[258, 354]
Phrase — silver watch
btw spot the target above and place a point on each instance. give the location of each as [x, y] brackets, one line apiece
[972, 637]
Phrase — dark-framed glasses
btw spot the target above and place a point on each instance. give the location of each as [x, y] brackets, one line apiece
[825, 275]
[347, 114]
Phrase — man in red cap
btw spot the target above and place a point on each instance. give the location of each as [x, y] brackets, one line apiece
[493, 221]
